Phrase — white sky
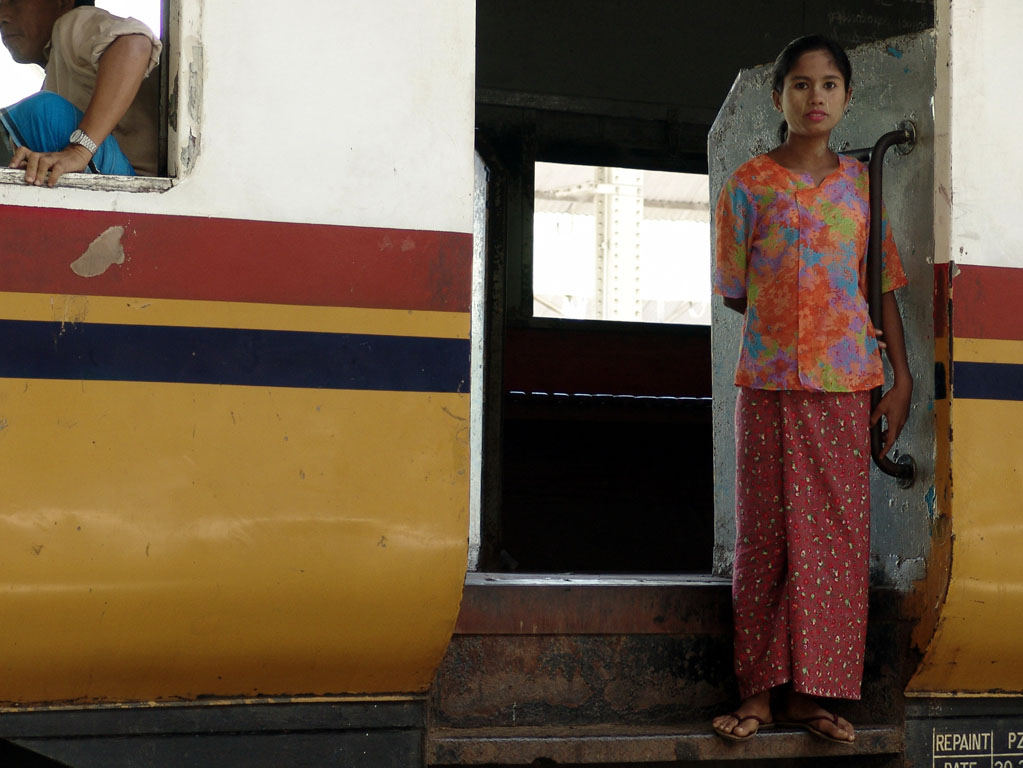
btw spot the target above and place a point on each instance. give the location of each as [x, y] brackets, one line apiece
[674, 262]
[20, 80]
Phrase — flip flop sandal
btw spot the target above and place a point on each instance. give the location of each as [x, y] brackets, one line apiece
[761, 726]
[807, 724]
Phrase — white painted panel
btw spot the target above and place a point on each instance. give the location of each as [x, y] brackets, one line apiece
[325, 111]
[942, 109]
[477, 361]
[986, 113]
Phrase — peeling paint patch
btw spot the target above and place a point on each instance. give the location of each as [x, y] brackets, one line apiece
[196, 80]
[190, 152]
[3, 424]
[105, 251]
[892, 51]
[69, 309]
[931, 497]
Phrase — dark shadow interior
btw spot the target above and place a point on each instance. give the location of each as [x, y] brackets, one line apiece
[619, 481]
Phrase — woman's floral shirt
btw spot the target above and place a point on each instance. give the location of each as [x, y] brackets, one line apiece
[797, 252]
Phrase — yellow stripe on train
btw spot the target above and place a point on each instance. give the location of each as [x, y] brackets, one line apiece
[223, 314]
[988, 351]
[976, 647]
[186, 540]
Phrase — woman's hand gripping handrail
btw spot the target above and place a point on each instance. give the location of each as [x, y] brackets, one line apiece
[905, 468]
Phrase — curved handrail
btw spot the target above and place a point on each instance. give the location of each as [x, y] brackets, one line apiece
[905, 469]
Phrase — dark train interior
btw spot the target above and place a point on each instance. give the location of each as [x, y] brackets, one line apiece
[610, 484]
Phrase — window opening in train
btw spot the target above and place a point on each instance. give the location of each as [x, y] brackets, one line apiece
[621, 244]
[605, 379]
[18, 81]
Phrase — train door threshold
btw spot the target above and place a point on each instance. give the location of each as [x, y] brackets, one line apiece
[574, 670]
[646, 745]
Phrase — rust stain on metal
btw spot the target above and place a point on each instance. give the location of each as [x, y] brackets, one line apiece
[660, 610]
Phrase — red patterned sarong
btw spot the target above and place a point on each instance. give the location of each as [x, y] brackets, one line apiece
[802, 545]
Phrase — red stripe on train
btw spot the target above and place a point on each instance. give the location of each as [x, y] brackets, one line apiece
[985, 302]
[183, 257]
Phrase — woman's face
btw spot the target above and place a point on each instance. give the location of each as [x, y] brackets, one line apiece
[813, 95]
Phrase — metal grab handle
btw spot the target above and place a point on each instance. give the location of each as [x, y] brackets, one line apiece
[905, 468]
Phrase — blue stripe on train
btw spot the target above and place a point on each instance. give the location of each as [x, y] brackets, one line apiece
[189, 355]
[987, 381]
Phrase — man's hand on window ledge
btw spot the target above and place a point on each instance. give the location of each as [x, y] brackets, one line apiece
[12, 177]
[47, 167]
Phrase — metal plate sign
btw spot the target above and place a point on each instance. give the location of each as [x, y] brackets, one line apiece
[959, 747]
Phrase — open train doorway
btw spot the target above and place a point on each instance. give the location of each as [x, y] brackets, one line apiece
[606, 396]
[599, 593]
[597, 444]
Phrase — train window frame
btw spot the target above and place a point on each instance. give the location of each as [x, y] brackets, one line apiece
[519, 132]
[179, 19]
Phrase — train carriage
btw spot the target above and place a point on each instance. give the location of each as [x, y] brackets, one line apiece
[251, 381]
[294, 473]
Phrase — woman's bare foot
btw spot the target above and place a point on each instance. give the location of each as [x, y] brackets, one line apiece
[741, 723]
[805, 711]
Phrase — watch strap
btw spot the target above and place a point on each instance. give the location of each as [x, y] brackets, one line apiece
[78, 136]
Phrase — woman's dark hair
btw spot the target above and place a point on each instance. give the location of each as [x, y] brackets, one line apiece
[791, 54]
[84, 2]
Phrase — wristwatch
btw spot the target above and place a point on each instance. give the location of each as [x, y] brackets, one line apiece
[81, 137]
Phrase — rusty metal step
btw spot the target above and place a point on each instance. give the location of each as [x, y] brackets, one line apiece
[546, 650]
[624, 745]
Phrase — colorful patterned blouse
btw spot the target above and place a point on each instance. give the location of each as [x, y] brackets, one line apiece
[797, 252]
